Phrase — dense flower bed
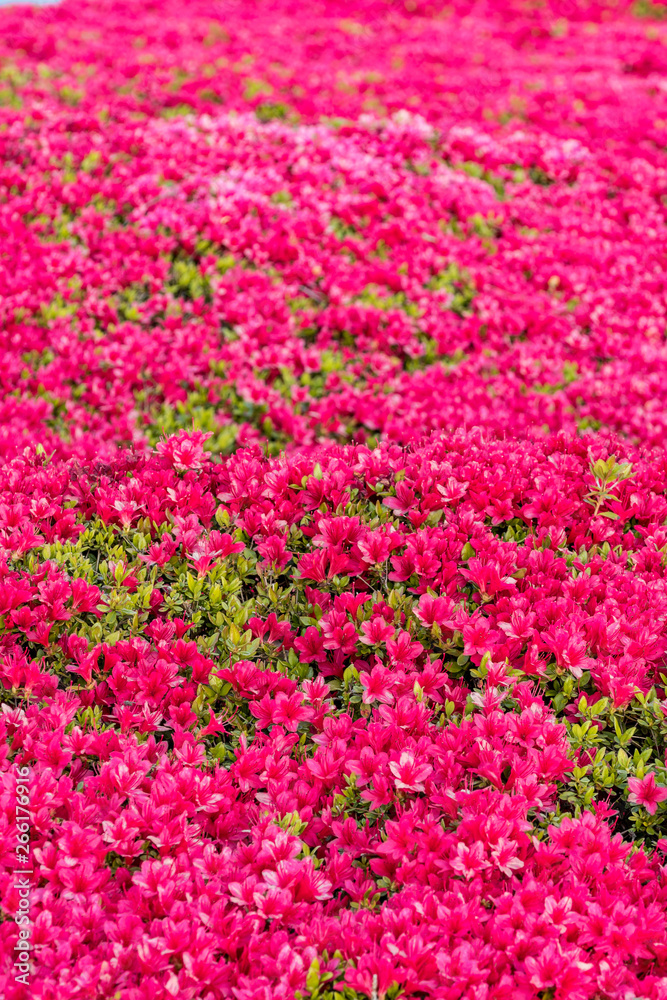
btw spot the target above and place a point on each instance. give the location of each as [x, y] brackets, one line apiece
[333, 499]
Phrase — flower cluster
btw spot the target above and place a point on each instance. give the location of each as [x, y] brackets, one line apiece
[333, 499]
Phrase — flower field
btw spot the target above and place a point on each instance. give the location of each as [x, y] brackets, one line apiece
[333, 500]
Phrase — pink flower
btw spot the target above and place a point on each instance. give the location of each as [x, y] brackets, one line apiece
[310, 646]
[274, 552]
[376, 631]
[403, 651]
[409, 773]
[469, 861]
[503, 854]
[645, 792]
[377, 685]
[185, 450]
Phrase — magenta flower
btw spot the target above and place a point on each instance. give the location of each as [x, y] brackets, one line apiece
[333, 362]
[410, 773]
[645, 792]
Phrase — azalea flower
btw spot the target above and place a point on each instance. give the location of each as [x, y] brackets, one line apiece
[409, 773]
[645, 792]
[331, 469]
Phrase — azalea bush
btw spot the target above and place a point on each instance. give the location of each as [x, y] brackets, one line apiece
[333, 499]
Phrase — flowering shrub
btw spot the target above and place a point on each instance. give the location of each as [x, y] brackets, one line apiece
[333, 499]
